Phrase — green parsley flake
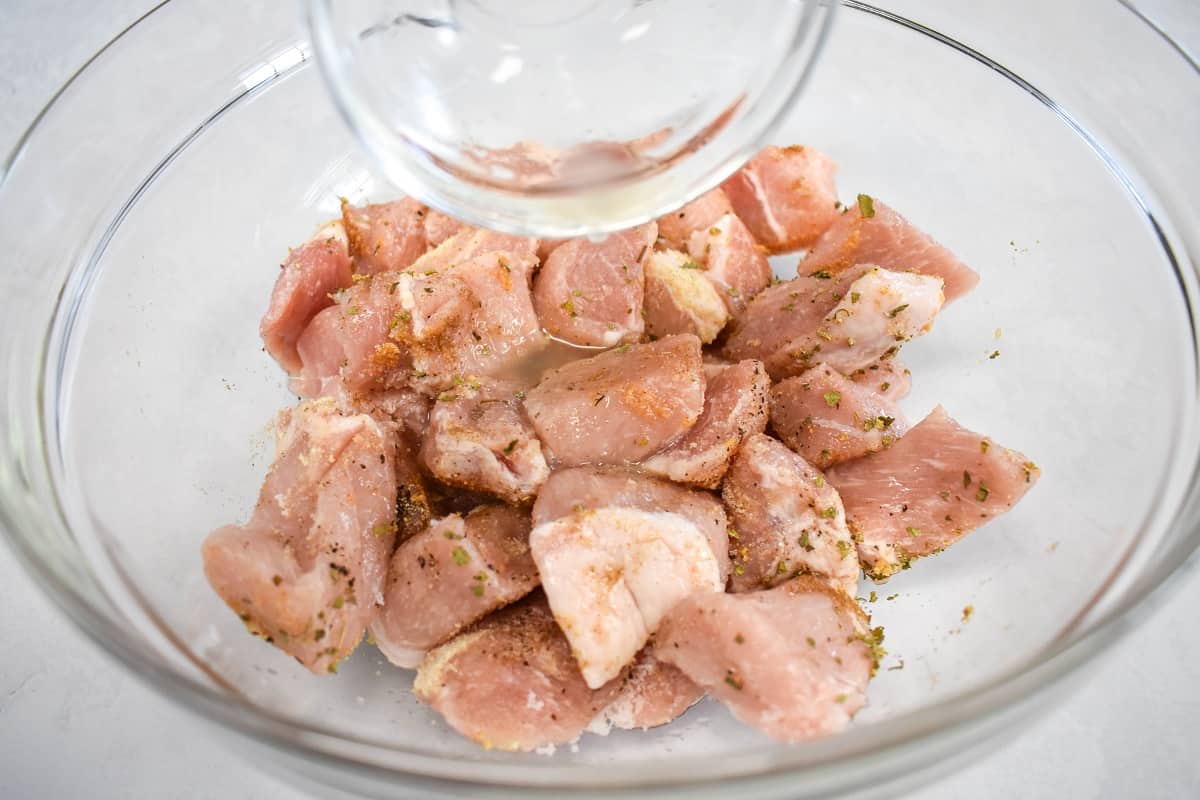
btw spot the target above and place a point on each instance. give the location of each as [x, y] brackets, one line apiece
[983, 493]
[830, 513]
[460, 556]
[892, 314]
[508, 448]
[833, 399]
[822, 274]
[913, 531]
[690, 265]
[866, 206]
[477, 590]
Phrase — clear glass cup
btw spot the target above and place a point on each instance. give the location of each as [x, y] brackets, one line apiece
[143, 219]
[562, 117]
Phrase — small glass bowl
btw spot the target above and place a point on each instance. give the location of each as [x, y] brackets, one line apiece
[564, 117]
[142, 219]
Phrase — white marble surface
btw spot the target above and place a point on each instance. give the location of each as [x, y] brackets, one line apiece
[73, 724]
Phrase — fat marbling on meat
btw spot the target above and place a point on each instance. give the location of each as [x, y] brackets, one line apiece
[787, 196]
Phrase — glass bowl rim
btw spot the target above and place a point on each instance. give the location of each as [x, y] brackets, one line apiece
[984, 702]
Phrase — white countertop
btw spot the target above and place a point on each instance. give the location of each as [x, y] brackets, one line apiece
[74, 724]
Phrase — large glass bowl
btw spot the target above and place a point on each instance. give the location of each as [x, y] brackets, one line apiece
[142, 220]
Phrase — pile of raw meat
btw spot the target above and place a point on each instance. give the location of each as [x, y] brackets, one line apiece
[583, 483]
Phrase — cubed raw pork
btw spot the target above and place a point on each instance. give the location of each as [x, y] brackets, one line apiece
[873, 233]
[786, 519]
[307, 571]
[935, 484]
[590, 292]
[312, 272]
[480, 439]
[793, 662]
[591, 488]
[453, 573]
[404, 413]
[680, 299]
[510, 682]
[385, 237]
[828, 418]
[732, 260]
[786, 196]
[653, 693]
[879, 312]
[468, 242]
[676, 227]
[735, 406]
[619, 406]
[611, 573]
[439, 227]
[786, 311]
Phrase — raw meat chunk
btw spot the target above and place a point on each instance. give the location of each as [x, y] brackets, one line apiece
[307, 571]
[793, 662]
[937, 483]
[879, 312]
[887, 377]
[453, 573]
[479, 438]
[510, 682]
[611, 573]
[619, 406]
[469, 242]
[310, 274]
[786, 311]
[484, 324]
[590, 488]
[404, 414]
[680, 299]
[385, 236]
[735, 406]
[440, 227]
[873, 233]
[786, 196]
[732, 260]
[786, 519]
[676, 227]
[590, 293]
[828, 419]
[652, 694]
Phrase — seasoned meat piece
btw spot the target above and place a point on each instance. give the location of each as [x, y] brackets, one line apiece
[827, 418]
[937, 483]
[652, 694]
[732, 260]
[590, 293]
[510, 682]
[680, 299]
[735, 406]
[453, 573]
[479, 438]
[590, 488]
[492, 332]
[676, 227]
[793, 662]
[307, 571]
[469, 242]
[873, 233]
[619, 406]
[404, 414]
[886, 377]
[611, 573]
[310, 274]
[786, 196]
[439, 227]
[879, 312]
[787, 519]
[786, 311]
[385, 236]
